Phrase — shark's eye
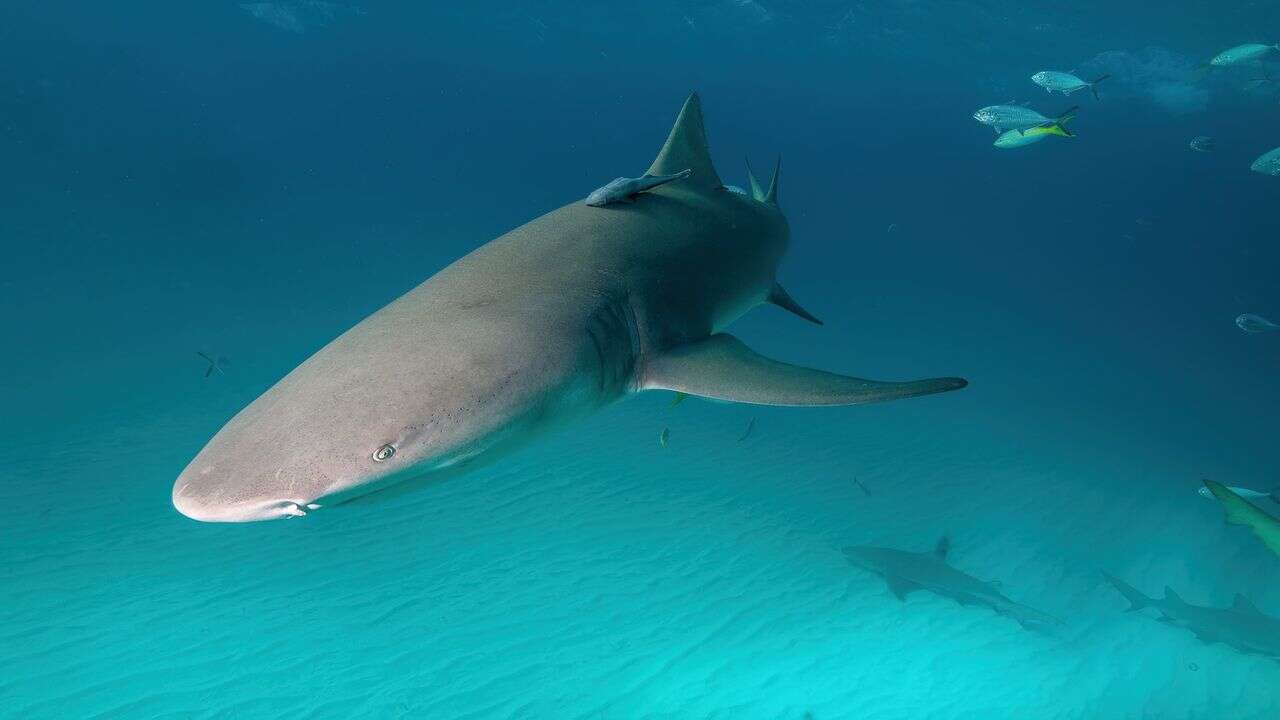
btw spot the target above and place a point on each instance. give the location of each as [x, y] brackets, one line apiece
[383, 453]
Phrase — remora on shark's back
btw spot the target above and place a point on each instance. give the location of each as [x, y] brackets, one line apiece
[551, 321]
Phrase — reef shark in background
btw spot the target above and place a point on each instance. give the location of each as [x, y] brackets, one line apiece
[1242, 626]
[906, 572]
[1242, 512]
[543, 325]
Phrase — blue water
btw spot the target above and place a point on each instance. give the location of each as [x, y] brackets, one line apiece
[249, 180]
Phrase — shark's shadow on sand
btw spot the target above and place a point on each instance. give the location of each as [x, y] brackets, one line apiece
[905, 572]
[1242, 626]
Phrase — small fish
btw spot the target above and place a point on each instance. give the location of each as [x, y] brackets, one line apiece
[1240, 54]
[1066, 83]
[1267, 163]
[215, 364]
[1020, 138]
[1011, 117]
[1274, 495]
[751, 426]
[735, 189]
[858, 482]
[893, 227]
[1251, 323]
[664, 436]
[1202, 143]
[625, 189]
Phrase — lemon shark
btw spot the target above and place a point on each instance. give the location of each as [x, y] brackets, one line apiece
[553, 320]
[1242, 512]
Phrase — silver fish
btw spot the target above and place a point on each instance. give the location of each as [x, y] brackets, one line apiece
[1251, 323]
[1066, 83]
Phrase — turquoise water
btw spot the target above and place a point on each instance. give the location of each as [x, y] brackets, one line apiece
[251, 181]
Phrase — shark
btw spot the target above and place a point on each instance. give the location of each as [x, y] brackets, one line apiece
[1242, 512]
[533, 330]
[1242, 626]
[906, 572]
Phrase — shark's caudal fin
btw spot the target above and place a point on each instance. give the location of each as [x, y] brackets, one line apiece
[1093, 86]
[686, 148]
[1137, 600]
[721, 367]
[780, 297]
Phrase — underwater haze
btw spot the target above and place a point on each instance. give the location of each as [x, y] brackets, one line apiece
[249, 180]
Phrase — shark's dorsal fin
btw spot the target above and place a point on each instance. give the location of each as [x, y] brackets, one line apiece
[1244, 605]
[757, 192]
[721, 367]
[940, 550]
[780, 297]
[1171, 596]
[686, 148]
[771, 196]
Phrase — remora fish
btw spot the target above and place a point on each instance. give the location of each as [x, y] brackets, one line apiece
[543, 325]
[1013, 117]
[1242, 512]
[1066, 83]
[626, 189]
[906, 572]
[1010, 139]
[1241, 626]
[1246, 53]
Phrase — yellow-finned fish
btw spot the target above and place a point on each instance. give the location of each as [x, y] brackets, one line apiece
[1243, 512]
[1020, 138]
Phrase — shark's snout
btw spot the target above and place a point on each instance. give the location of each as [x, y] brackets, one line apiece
[210, 508]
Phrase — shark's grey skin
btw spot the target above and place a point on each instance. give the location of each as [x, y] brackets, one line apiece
[545, 324]
[625, 189]
[906, 572]
[1241, 626]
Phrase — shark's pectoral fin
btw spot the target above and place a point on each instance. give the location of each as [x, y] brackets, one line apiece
[723, 368]
[901, 588]
[780, 297]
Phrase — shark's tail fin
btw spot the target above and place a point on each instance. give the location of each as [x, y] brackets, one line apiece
[1093, 86]
[1137, 600]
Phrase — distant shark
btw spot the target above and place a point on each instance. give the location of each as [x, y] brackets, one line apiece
[906, 572]
[1241, 626]
[545, 324]
[1243, 512]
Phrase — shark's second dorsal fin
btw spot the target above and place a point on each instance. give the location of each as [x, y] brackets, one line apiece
[1244, 605]
[686, 148]
[940, 550]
